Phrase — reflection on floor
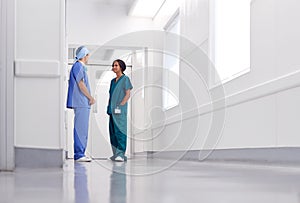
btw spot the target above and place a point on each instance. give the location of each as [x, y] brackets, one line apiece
[152, 180]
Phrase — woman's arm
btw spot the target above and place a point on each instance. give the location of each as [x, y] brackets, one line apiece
[126, 98]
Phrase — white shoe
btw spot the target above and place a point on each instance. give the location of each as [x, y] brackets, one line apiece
[84, 159]
[119, 159]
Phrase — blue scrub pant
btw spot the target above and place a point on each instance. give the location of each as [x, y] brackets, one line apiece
[118, 139]
[80, 184]
[81, 128]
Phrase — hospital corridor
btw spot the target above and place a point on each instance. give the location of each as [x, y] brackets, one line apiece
[149, 101]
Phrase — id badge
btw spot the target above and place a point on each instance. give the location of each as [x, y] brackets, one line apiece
[117, 110]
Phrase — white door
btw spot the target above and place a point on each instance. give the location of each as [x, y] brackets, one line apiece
[7, 56]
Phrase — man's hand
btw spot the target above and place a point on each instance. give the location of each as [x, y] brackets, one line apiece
[92, 101]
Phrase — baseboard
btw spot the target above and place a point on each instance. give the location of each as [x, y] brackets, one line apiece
[280, 155]
[38, 158]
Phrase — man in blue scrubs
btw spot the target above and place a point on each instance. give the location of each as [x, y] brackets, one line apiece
[80, 99]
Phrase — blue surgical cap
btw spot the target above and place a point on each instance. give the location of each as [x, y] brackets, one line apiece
[81, 52]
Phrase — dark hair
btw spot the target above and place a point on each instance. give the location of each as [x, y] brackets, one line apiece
[121, 64]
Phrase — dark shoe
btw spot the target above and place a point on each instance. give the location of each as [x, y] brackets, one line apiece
[112, 158]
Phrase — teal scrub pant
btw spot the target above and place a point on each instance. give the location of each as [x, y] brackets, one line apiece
[118, 139]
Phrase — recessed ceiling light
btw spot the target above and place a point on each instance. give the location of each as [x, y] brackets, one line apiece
[146, 8]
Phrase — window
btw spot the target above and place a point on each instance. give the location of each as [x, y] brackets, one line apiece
[230, 39]
[171, 63]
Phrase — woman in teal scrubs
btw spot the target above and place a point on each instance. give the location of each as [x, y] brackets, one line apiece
[119, 94]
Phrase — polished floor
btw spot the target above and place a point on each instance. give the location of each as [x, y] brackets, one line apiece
[142, 181]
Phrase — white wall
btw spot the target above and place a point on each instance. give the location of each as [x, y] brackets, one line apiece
[39, 71]
[262, 104]
[274, 42]
[264, 110]
[174, 134]
[274, 53]
[95, 23]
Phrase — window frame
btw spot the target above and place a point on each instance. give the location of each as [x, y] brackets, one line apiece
[174, 19]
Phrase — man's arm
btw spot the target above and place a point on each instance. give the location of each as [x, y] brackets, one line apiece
[85, 91]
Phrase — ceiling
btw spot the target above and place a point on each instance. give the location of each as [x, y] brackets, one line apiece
[125, 3]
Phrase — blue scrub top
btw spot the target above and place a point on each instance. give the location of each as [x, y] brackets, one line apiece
[76, 99]
[117, 92]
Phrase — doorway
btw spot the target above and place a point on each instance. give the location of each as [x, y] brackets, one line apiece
[100, 75]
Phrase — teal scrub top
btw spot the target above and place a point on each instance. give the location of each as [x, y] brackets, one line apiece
[117, 93]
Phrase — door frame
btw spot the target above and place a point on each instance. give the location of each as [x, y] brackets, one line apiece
[69, 124]
[7, 54]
